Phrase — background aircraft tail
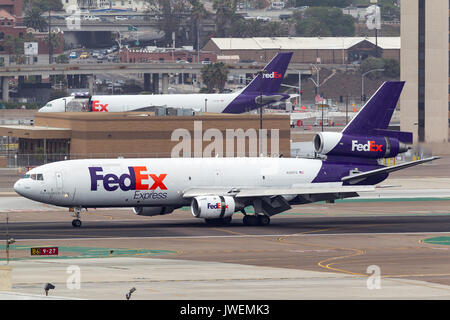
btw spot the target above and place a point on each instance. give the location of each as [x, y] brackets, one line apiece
[375, 115]
[366, 137]
[270, 82]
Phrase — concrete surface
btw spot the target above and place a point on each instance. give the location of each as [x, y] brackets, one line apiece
[112, 278]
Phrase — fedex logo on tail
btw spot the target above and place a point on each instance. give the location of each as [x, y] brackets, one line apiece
[369, 146]
[273, 75]
[133, 180]
[217, 205]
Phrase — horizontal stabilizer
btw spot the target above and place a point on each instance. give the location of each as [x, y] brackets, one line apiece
[402, 136]
[355, 178]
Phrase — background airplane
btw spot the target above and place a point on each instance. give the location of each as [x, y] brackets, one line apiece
[263, 88]
[216, 188]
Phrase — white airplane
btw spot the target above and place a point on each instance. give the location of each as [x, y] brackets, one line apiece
[216, 188]
[263, 87]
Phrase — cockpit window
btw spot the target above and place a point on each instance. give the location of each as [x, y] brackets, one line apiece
[37, 176]
[25, 176]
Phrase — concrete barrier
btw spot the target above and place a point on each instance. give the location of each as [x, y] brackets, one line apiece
[5, 278]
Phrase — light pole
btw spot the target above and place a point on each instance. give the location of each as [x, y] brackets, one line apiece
[261, 74]
[206, 105]
[300, 72]
[362, 81]
[317, 83]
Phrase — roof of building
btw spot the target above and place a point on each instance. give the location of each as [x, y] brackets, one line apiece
[299, 43]
[6, 15]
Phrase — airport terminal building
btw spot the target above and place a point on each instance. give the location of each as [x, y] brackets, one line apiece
[79, 135]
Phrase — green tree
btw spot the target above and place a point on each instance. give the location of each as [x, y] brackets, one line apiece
[34, 19]
[198, 13]
[215, 76]
[372, 63]
[392, 68]
[256, 28]
[225, 16]
[324, 3]
[323, 22]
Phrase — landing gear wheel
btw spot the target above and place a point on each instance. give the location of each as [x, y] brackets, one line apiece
[76, 223]
[256, 220]
[264, 220]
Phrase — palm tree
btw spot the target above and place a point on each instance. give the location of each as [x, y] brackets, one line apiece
[198, 12]
[215, 76]
[225, 15]
[34, 19]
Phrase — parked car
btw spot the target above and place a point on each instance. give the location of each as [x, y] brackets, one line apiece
[122, 18]
[73, 55]
[84, 55]
[206, 62]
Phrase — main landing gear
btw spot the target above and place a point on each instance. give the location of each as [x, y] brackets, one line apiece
[76, 223]
[256, 220]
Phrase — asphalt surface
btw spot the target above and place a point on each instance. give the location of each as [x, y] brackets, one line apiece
[197, 228]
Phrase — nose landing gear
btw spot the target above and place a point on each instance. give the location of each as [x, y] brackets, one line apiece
[76, 223]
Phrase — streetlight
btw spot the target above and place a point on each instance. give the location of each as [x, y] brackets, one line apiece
[362, 81]
[317, 84]
[261, 73]
[299, 86]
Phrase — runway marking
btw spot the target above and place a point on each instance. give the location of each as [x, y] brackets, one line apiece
[237, 236]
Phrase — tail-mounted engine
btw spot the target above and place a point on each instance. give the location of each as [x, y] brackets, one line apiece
[374, 147]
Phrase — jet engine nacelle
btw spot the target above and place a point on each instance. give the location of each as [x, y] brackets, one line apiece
[375, 147]
[152, 211]
[213, 207]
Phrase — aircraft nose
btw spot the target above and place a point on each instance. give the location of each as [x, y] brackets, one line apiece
[18, 187]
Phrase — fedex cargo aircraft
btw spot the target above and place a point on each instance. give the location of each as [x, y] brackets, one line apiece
[263, 87]
[217, 188]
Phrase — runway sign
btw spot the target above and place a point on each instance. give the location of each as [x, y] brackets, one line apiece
[51, 251]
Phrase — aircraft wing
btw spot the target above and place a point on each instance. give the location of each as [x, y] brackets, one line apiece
[355, 178]
[274, 191]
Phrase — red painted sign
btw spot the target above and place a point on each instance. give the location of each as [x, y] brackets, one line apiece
[49, 251]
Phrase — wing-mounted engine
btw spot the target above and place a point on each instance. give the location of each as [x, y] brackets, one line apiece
[214, 207]
[152, 211]
[373, 147]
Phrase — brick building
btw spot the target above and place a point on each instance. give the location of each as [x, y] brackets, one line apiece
[328, 50]
[11, 25]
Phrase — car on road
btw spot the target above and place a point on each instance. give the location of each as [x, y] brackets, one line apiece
[84, 55]
[91, 18]
[261, 18]
[73, 55]
[121, 18]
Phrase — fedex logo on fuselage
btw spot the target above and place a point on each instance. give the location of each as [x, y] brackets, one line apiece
[273, 75]
[133, 180]
[217, 205]
[99, 107]
[369, 146]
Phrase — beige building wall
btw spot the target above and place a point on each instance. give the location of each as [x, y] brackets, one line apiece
[436, 69]
[409, 33]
